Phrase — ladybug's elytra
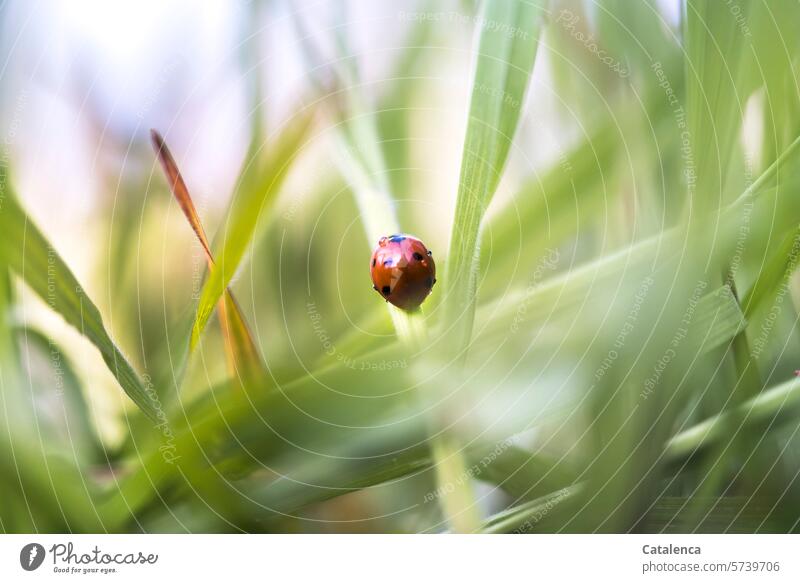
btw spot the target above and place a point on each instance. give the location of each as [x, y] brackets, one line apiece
[403, 271]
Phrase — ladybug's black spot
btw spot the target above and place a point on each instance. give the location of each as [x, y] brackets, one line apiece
[417, 256]
[388, 263]
[430, 281]
[386, 290]
[396, 238]
[373, 263]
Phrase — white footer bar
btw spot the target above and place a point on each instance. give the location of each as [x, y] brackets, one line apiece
[401, 558]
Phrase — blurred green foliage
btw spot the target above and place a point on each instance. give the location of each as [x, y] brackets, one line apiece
[612, 348]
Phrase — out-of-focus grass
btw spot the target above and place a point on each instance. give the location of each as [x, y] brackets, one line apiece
[628, 305]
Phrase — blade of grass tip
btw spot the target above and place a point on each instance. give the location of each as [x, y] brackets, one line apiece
[26, 251]
[252, 196]
[241, 351]
[179, 189]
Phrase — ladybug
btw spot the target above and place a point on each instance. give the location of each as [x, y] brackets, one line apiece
[403, 271]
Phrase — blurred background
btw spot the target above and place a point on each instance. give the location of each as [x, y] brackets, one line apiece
[633, 356]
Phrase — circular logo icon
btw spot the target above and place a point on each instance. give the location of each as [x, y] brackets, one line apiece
[31, 556]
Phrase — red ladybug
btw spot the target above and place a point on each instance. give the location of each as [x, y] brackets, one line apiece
[403, 271]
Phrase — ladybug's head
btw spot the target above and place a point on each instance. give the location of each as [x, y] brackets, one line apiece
[383, 241]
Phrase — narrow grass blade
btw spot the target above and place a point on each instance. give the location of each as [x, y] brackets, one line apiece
[777, 271]
[764, 407]
[718, 82]
[525, 516]
[26, 250]
[179, 189]
[255, 192]
[242, 350]
[8, 347]
[505, 55]
[775, 51]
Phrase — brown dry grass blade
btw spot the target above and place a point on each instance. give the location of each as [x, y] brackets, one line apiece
[240, 348]
[179, 189]
[239, 342]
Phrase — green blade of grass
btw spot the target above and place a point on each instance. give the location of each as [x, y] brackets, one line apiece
[776, 45]
[764, 407]
[523, 517]
[9, 353]
[26, 250]
[719, 79]
[508, 42]
[777, 270]
[522, 474]
[257, 189]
